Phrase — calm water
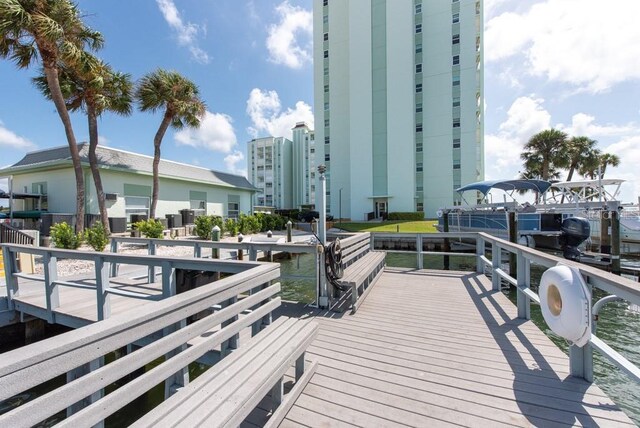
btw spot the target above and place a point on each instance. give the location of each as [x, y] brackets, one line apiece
[618, 327]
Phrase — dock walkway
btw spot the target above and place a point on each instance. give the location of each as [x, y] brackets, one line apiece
[439, 348]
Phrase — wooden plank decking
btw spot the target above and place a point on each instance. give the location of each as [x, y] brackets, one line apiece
[436, 348]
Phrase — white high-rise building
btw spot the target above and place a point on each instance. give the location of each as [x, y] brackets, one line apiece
[398, 103]
[304, 166]
[269, 170]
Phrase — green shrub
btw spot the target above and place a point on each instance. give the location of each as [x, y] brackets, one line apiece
[414, 216]
[63, 236]
[231, 226]
[96, 237]
[150, 228]
[205, 223]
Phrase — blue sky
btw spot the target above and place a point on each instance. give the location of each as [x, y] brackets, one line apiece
[569, 64]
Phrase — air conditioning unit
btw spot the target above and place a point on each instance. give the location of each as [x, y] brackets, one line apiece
[111, 196]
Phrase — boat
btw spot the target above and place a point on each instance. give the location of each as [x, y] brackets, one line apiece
[539, 223]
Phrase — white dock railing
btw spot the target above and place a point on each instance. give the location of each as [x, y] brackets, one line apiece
[580, 358]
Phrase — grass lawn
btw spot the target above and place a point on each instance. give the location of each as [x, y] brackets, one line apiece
[425, 226]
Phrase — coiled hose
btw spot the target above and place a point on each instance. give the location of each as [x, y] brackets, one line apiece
[333, 264]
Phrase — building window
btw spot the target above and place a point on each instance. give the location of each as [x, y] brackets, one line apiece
[325, 2]
[326, 106]
[326, 71]
[326, 122]
[456, 60]
[456, 143]
[418, 68]
[456, 101]
[326, 53]
[455, 39]
[326, 88]
[456, 122]
[419, 127]
[418, 48]
[327, 140]
[419, 167]
[456, 80]
[455, 1]
[325, 19]
[327, 157]
[419, 188]
[136, 205]
[418, 8]
[420, 207]
[325, 37]
[418, 28]
[455, 18]
[418, 87]
[419, 108]
[418, 147]
[233, 210]
[456, 165]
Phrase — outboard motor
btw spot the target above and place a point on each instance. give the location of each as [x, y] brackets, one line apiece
[575, 230]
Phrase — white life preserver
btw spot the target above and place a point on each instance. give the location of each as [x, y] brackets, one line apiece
[439, 213]
[565, 301]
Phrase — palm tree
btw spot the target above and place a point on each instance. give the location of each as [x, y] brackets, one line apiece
[548, 150]
[598, 165]
[179, 98]
[581, 151]
[53, 31]
[93, 87]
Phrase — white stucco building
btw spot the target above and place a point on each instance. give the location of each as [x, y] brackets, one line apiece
[398, 102]
[269, 170]
[282, 170]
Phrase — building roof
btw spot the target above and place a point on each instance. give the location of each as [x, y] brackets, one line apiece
[110, 158]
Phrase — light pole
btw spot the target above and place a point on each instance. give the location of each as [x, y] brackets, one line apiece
[340, 206]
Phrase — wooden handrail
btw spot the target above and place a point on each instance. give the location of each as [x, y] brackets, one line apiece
[13, 235]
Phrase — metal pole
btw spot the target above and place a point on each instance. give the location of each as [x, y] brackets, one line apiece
[615, 242]
[605, 235]
[445, 228]
[513, 237]
[11, 200]
[322, 226]
[340, 207]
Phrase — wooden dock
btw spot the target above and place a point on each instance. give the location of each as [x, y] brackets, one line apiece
[439, 348]
[426, 348]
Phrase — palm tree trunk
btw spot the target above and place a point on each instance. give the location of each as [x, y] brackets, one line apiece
[157, 141]
[572, 168]
[51, 73]
[93, 162]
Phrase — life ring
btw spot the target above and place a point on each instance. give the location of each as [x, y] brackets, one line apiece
[527, 241]
[565, 301]
[439, 213]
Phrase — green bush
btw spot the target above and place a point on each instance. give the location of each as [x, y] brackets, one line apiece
[414, 216]
[231, 226]
[205, 223]
[63, 236]
[150, 228]
[96, 237]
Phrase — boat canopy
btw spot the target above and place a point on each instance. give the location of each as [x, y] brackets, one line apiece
[540, 186]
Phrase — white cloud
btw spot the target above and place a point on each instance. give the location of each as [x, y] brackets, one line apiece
[186, 33]
[103, 140]
[525, 117]
[628, 149]
[589, 44]
[265, 110]
[12, 140]
[290, 41]
[231, 161]
[583, 124]
[215, 133]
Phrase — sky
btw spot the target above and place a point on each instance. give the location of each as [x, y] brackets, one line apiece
[569, 64]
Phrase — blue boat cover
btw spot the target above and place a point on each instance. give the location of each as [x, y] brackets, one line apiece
[540, 186]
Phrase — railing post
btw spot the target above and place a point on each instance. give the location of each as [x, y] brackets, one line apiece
[215, 237]
[180, 378]
[197, 250]
[419, 250]
[114, 250]
[168, 280]
[102, 289]
[496, 256]
[52, 295]
[253, 253]
[289, 232]
[234, 341]
[479, 254]
[581, 357]
[79, 372]
[10, 268]
[524, 304]
[240, 255]
[152, 269]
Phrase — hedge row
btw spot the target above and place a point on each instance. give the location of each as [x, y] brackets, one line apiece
[414, 216]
